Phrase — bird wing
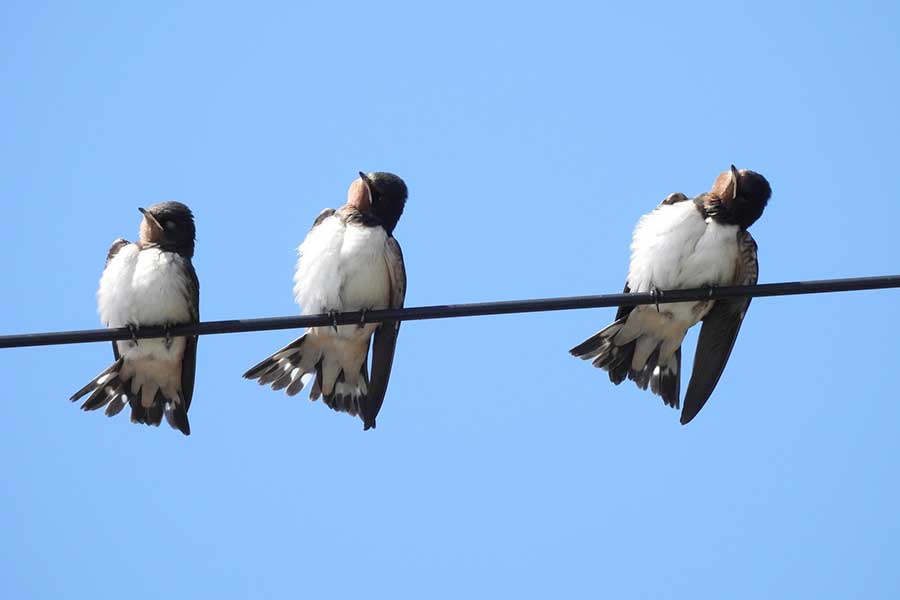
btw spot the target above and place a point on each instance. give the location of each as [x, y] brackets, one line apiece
[624, 311]
[385, 339]
[189, 360]
[673, 198]
[117, 245]
[322, 216]
[719, 332]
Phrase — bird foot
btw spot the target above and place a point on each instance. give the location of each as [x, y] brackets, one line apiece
[167, 327]
[133, 329]
[657, 295]
[334, 324]
[362, 318]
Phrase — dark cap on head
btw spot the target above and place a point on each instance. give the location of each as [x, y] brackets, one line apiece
[388, 197]
[171, 226]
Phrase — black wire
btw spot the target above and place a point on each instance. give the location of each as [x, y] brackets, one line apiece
[455, 310]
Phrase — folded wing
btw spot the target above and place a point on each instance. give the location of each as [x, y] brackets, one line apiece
[385, 338]
[719, 332]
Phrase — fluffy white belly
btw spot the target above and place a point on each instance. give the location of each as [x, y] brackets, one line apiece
[342, 267]
[675, 247]
[146, 287]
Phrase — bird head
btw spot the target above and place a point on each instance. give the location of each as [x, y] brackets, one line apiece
[741, 196]
[169, 225]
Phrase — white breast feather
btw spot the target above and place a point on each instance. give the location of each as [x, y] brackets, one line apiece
[114, 294]
[366, 282]
[317, 282]
[341, 267]
[674, 247]
[146, 287]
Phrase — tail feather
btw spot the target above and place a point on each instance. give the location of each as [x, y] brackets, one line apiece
[176, 416]
[110, 390]
[267, 366]
[339, 401]
[104, 393]
[621, 362]
[108, 376]
[117, 402]
[298, 384]
[147, 415]
[349, 397]
[270, 376]
[290, 368]
[666, 380]
[604, 353]
[285, 380]
[305, 360]
[316, 390]
[596, 344]
[335, 400]
[641, 377]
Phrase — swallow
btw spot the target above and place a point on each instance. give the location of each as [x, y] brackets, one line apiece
[684, 243]
[145, 283]
[349, 261]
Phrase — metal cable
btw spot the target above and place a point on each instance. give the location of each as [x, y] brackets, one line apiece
[446, 311]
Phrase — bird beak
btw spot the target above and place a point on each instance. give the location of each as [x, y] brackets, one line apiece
[150, 218]
[734, 181]
[368, 183]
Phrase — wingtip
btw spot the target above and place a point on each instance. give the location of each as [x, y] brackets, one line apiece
[692, 406]
[182, 424]
[688, 417]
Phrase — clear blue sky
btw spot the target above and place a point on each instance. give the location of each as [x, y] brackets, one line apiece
[532, 139]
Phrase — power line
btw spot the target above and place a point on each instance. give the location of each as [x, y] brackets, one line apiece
[455, 310]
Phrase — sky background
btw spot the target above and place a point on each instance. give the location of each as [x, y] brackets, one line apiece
[532, 138]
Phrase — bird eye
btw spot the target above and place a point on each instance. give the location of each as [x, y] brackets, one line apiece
[169, 225]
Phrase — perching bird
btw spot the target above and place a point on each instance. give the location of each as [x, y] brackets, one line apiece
[349, 261]
[150, 282]
[684, 243]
